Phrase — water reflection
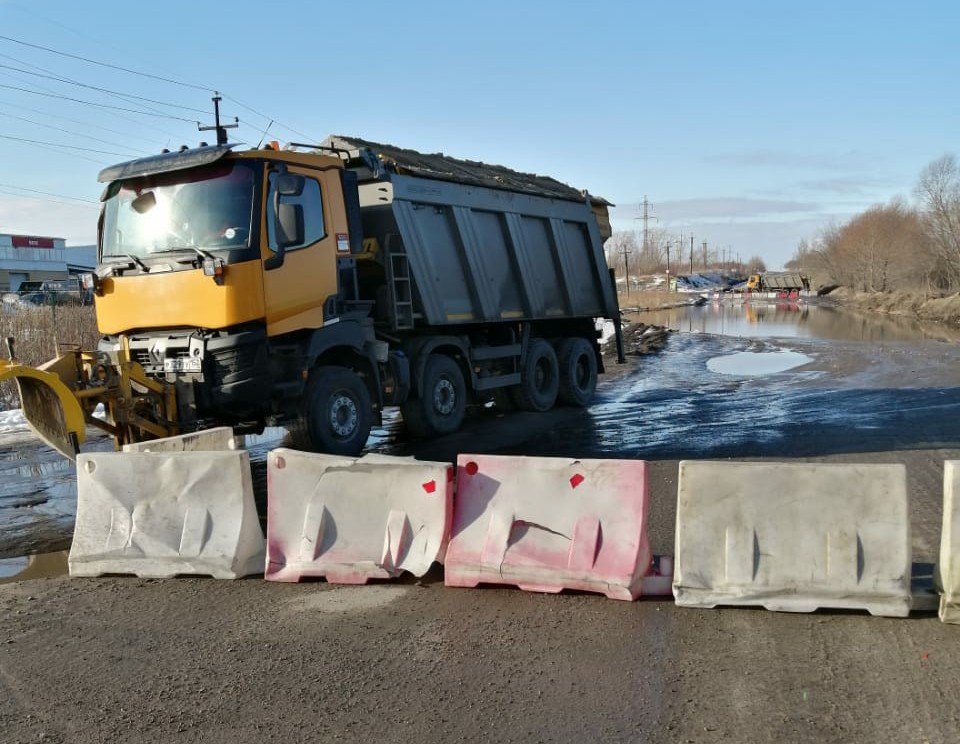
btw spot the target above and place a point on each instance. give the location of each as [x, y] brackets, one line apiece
[800, 319]
[39, 566]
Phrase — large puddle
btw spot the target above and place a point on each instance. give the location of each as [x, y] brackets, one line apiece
[783, 319]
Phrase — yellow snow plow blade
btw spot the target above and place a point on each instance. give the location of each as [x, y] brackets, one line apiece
[49, 406]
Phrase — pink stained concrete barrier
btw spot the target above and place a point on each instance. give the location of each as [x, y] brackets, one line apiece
[351, 520]
[548, 524]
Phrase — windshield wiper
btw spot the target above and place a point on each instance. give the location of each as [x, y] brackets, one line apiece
[199, 251]
[137, 262]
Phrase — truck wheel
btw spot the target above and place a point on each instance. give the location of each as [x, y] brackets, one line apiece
[539, 379]
[444, 402]
[578, 372]
[338, 413]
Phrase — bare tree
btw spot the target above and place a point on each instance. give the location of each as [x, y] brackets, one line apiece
[620, 241]
[756, 264]
[938, 190]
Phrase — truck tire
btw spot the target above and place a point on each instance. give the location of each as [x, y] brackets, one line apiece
[443, 405]
[578, 372]
[338, 412]
[539, 378]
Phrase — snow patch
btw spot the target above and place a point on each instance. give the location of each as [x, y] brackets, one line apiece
[754, 363]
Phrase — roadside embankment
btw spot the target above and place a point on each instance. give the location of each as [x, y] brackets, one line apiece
[915, 304]
[655, 299]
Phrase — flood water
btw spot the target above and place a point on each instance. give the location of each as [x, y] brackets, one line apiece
[736, 379]
[803, 319]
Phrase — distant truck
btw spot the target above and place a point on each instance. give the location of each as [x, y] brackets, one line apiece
[771, 281]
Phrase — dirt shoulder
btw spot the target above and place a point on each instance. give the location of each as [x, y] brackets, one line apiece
[918, 305]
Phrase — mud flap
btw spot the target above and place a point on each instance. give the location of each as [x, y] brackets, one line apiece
[49, 406]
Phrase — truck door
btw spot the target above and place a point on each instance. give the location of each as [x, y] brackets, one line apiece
[299, 277]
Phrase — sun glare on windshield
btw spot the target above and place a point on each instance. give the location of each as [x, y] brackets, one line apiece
[209, 208]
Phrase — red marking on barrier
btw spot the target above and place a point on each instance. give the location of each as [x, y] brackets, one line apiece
[471, 468]
[576, 480]
[430, 486]
[450, 474]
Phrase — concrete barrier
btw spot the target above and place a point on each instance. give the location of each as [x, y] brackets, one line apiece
[218, 439]
[948, 569]
[351, 520]
[160, 514]
[793, 537]
[548, 524]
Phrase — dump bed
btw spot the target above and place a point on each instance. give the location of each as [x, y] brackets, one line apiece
[784, 280]
[479, 243]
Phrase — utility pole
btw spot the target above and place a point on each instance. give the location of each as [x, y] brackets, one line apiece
[668, 265]
[625, 252]
[704, 255]
[221, 129]
[691, 253]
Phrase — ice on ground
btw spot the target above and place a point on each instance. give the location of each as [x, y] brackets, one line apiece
[607, 331]
[13, 420]
[754, 363]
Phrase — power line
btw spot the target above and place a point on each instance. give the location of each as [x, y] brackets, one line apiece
[268, 118]
[48, 193]
[66, 131]
[67, 118]
[57, 144]
[162, 78]
[105, 64]
[99, 105]
[46, 199]
[102, 90]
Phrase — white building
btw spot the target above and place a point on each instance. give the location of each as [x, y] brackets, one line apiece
[33, 258]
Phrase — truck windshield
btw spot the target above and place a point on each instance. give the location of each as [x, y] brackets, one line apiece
[210, 208]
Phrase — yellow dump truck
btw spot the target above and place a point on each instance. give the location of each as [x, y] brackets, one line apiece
[777, 281]
[314, 286]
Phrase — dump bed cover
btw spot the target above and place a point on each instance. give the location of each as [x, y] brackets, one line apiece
[445, 168]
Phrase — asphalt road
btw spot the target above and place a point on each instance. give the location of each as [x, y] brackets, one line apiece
[197, 660]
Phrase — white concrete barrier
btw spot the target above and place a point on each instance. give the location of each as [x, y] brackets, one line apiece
[160, 514]
[218, 439]
[793, 537]
[351, 520]
[948, 569]
[547, 524]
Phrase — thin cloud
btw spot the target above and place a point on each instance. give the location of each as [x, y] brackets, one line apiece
[844, 161]
[721, 208]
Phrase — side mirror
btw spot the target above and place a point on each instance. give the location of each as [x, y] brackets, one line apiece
[290, 232]
[290, 184]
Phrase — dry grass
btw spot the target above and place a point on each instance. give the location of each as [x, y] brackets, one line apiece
[943, 309]
[37, 332]
[649, 299]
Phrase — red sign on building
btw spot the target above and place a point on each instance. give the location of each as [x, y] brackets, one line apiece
[30, 241]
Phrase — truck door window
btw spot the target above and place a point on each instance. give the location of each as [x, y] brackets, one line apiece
[312, 202]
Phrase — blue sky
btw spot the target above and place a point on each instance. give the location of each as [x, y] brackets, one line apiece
[751, 124]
